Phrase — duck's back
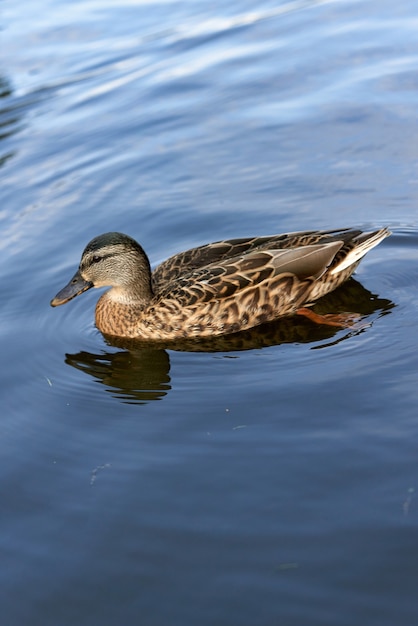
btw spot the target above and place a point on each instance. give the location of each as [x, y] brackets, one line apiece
[220, 251]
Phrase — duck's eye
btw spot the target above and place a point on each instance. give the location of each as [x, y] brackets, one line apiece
[96, 259]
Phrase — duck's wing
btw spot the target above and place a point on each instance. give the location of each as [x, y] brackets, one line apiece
[260, 269]
[190, 260]
[220, 251]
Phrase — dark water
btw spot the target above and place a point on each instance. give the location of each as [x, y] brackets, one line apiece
[262, 486]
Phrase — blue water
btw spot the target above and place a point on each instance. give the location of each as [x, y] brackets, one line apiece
[261, 486]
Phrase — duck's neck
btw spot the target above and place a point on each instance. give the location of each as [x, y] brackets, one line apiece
[133, 284]
[138, 295]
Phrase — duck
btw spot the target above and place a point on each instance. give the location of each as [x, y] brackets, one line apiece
[215, 289]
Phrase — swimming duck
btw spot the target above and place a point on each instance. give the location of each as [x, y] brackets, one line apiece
[215, 289]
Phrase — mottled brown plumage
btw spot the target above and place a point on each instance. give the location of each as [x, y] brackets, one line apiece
[216, 289]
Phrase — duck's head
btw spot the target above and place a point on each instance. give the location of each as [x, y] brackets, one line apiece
[111, 260]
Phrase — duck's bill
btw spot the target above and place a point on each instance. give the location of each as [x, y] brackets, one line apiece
[76, 286]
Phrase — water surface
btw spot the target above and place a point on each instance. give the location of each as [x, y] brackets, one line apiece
[270, 480]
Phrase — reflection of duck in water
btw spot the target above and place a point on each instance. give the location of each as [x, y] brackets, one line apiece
[217, 289]
[139, 375]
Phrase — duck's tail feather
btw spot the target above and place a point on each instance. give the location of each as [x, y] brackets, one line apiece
[363, 243]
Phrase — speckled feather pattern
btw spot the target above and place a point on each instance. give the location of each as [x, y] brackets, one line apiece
[216, 289]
